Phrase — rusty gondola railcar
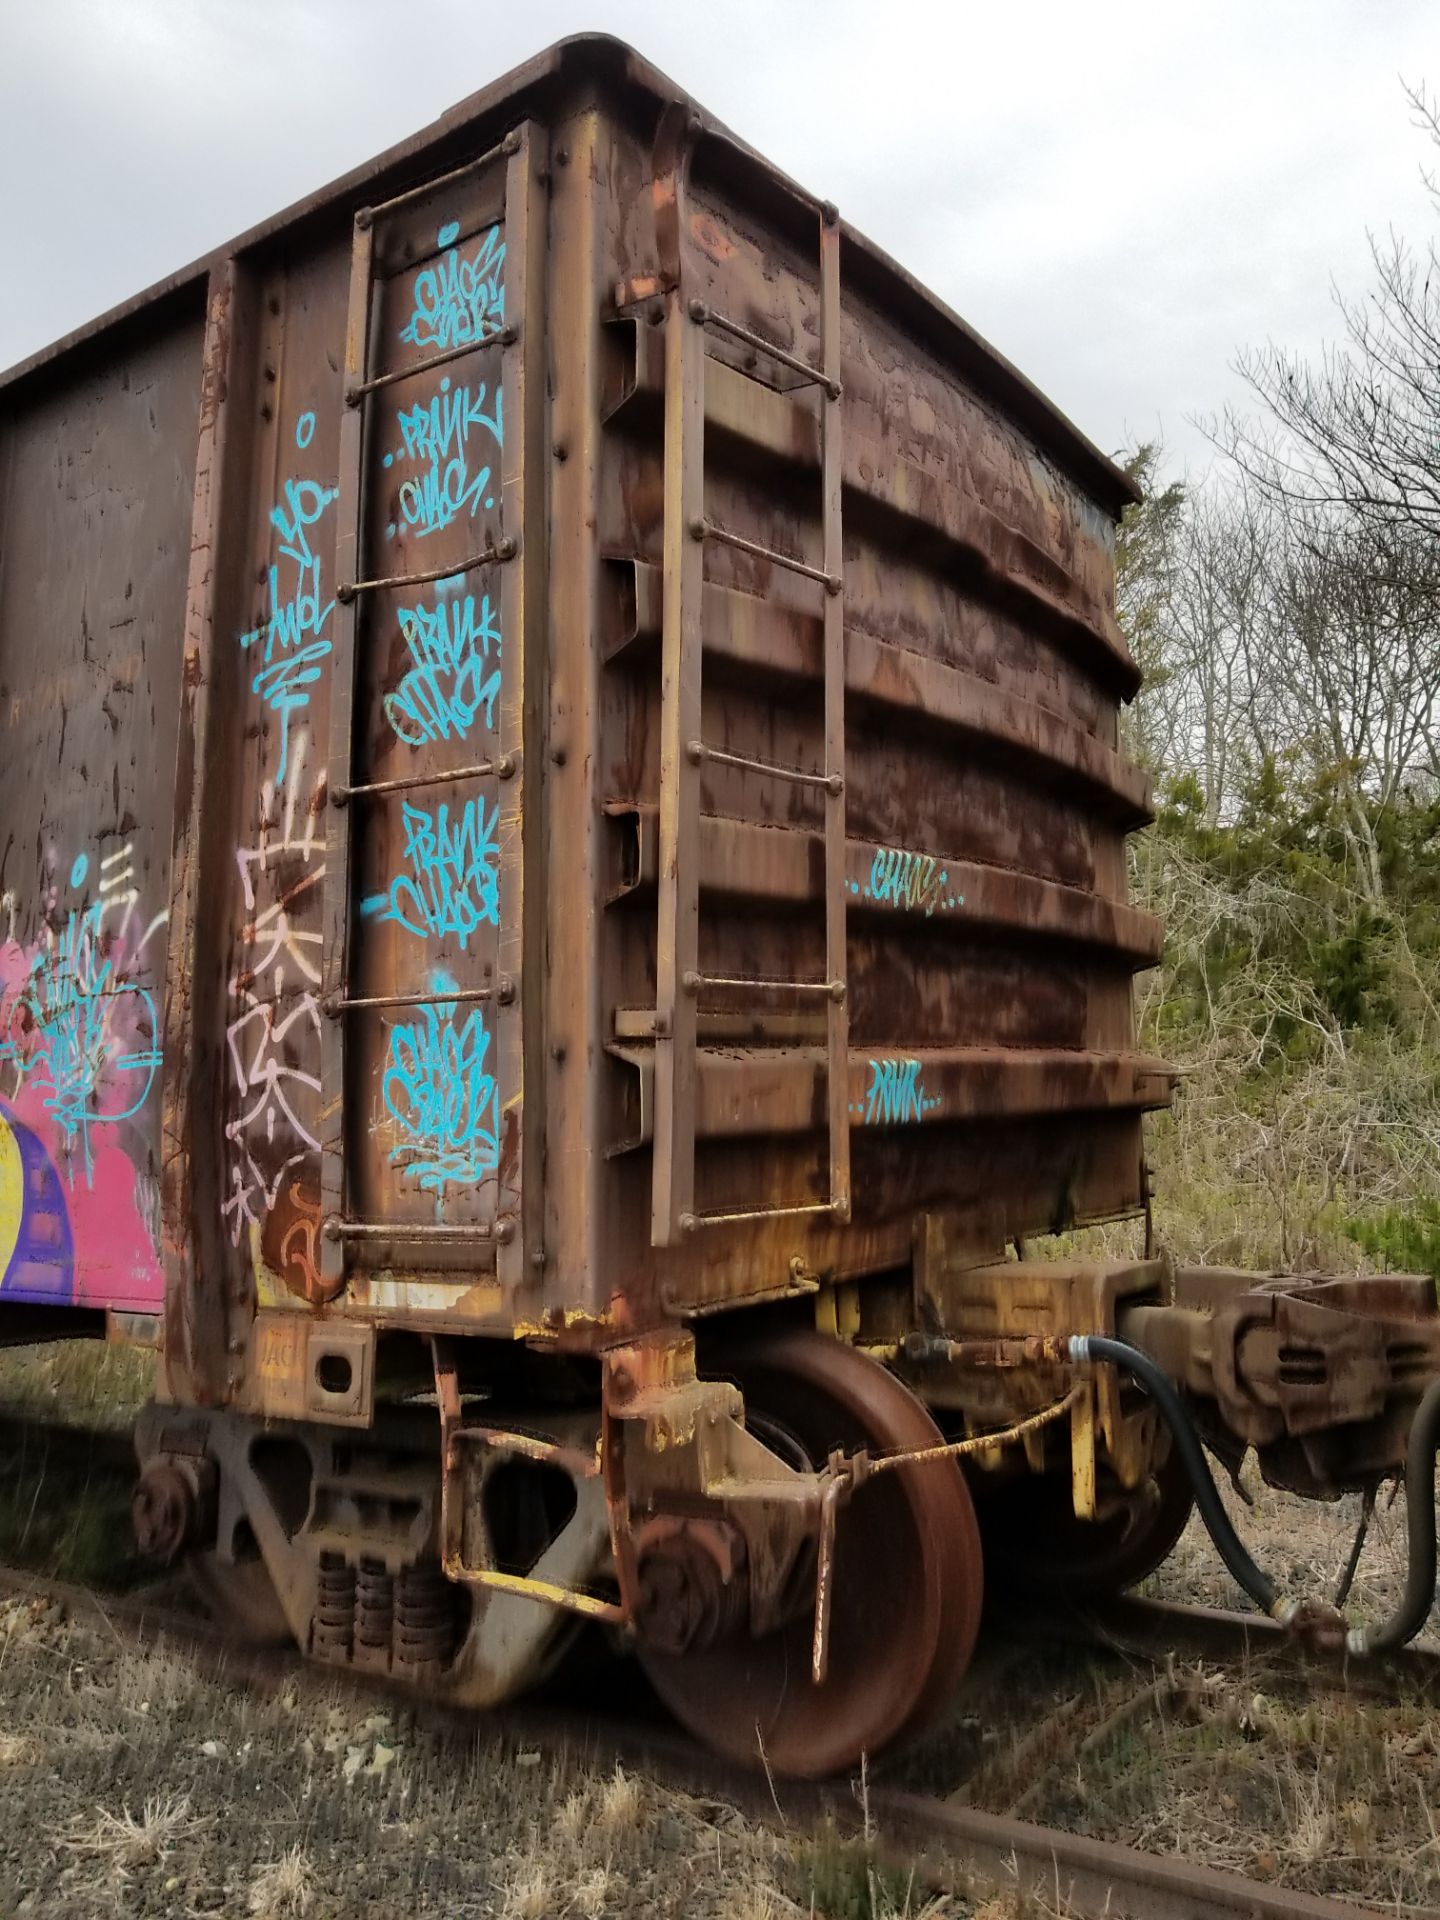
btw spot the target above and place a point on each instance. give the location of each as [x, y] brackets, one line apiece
[562, 835]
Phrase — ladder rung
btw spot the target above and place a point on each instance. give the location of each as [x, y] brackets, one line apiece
[335, 1228]
[502, 336]
[502, 767]
[831, 782]
[708, 530]
[509, 145]
[488, 556]
[694, 982]
[503, 993]
[690, 1221]
[722, 323]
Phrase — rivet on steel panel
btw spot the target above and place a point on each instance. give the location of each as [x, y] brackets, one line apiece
[505, 991]
[505, 766]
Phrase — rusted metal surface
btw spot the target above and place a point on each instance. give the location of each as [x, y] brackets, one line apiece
[882, 1620]
[1320, 1375]
[487, 461]
[98, 476]
[637, 751]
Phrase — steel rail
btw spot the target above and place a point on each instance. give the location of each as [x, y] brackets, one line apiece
[1131, 1623]
[949, 1846]
[946, 1848]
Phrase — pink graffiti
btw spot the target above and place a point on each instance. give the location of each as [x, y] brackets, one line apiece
[79, 1058]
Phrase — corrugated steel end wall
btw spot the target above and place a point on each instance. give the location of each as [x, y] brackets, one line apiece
[992, 1072]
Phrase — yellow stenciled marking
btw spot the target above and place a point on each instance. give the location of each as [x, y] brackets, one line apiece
[269, 1290]
[280, 1350]
[12, 1195]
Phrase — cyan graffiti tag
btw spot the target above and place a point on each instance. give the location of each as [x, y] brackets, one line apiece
[462, 297]
[913, 882]
[444, 437]
[452, 647]
[86, 1030]
[896, 1095]
[441, 1098]
[453, 884]
[293, 641]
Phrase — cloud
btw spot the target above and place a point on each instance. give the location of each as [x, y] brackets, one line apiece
[1119, 200]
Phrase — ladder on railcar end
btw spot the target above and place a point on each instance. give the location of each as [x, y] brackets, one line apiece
[687, 529]
[513, 1230]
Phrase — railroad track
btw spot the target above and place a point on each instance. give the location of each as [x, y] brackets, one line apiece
[950, 1847]
[953, 1838]
[1157, 1628]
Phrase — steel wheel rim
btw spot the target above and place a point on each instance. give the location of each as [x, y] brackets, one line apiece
[1039, 1545]
[907, 1591]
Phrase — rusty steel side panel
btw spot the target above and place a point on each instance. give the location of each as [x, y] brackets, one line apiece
[97, 472]
[375, 770]
[992, 1077]
[993, 1071]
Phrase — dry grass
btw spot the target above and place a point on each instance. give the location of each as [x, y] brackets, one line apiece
[124, 1843]
[284, 1888]
[273, 1807]
[83, 1382]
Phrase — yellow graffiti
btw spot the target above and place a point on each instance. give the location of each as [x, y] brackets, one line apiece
[12, 1195]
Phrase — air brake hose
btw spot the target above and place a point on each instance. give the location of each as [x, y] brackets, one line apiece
[1419, 1595]
[1260, 1587]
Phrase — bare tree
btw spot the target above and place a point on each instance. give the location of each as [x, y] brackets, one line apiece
[1361, 430]
[1219, 617]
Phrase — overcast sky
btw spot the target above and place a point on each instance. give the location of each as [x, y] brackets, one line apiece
[1116, 195]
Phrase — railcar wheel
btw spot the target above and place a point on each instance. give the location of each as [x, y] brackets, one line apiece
[241, 1595]
[907, 1580]
[1033, 1541]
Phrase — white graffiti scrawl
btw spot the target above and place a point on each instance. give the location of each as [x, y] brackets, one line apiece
[274, 1033]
